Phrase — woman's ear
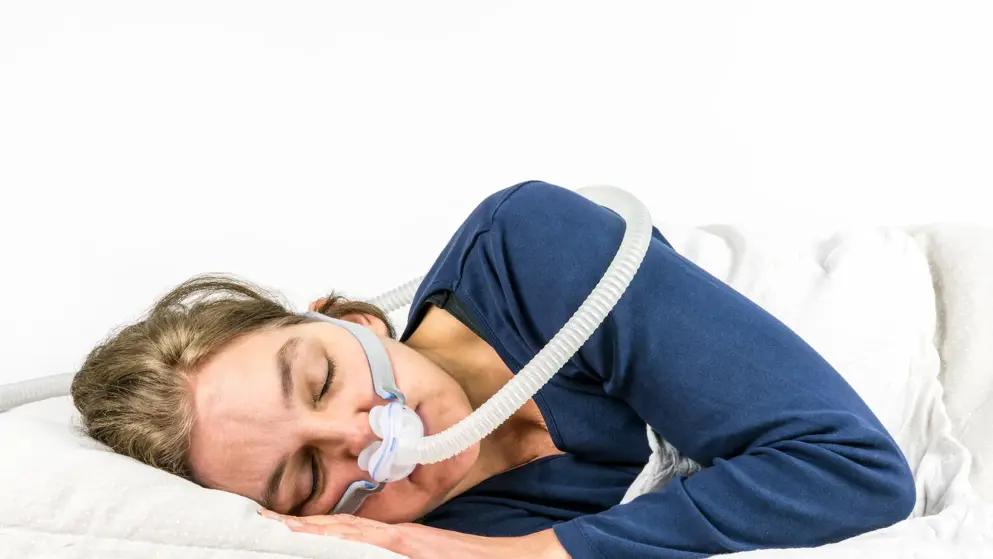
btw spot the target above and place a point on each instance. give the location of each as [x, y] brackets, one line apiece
[355, 311]
[317, 304]
[369, 321]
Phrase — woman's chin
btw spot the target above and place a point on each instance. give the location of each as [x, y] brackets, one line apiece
[427, 487]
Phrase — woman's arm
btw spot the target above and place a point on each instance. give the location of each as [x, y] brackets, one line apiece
[792, 455]
[423, 542]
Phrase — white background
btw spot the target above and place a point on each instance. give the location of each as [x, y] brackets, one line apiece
[317, 145]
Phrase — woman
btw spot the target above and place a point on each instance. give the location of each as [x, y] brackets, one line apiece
[223, 385]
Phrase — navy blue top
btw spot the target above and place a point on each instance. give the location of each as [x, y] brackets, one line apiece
[792, 456]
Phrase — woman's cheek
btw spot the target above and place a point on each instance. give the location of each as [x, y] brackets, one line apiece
[395, 504]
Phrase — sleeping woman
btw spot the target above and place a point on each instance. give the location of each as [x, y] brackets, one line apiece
[224, 385]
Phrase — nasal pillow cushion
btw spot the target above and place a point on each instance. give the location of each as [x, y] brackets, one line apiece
[393, 423]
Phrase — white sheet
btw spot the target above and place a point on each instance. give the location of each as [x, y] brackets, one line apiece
[865, 300]
[906, 294]
[962, 268]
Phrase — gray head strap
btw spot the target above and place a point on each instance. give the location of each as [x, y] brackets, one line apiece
[355, 495]
[385, 386]
[383, 381]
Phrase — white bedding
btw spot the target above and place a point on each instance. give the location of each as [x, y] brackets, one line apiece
[907, 317]
[902, 314]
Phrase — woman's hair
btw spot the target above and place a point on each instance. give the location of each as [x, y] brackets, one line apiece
[133, 390]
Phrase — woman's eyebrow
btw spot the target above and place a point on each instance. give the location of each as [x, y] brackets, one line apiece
[284, 360]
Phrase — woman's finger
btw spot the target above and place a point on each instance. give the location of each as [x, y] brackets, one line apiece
[322, 530]
[386, 538]
[317, 519]
[345, 526]
[326, 520]
[342, 519]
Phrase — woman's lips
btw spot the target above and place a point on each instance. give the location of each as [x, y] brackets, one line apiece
[417, 468]
[417, 410]
[415, 474]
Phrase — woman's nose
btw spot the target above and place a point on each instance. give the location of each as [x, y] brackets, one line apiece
[360, 436]
[349, 437]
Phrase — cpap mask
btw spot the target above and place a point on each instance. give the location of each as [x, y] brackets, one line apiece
[403, 445]
[391, 422]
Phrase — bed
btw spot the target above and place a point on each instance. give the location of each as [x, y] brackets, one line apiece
[905, 314]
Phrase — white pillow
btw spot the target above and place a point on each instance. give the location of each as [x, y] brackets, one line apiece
[864, 300]
[961, 258]
[65, 494]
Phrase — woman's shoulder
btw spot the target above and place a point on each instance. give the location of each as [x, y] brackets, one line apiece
[524, 201]
[535, 213]
[532, 199]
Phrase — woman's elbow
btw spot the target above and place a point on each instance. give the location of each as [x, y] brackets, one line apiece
[885, 485]
[863, 483]
[900, 487]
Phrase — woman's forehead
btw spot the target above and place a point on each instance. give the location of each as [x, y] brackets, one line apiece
[240, 420]
[242, 380]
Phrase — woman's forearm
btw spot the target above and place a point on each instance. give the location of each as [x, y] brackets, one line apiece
[423, 541]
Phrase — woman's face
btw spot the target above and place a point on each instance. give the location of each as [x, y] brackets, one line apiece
[263, 426]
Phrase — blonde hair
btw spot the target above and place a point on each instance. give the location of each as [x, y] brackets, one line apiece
[133, 390]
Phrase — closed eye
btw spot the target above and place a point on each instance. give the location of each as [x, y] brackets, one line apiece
[316, 469]
[327, 381]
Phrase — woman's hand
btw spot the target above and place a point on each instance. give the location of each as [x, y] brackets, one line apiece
[347, 527]
[419, 542]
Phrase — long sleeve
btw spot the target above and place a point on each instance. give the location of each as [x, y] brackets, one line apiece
[792, 456]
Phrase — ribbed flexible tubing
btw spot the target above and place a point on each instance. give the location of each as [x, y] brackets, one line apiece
[510, 398]
[543, 366]
[398, 297]
[33, 390]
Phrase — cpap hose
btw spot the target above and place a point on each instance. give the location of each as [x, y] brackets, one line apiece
[412, 449]
[398, 297]
[34, 390]
[512, 396]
